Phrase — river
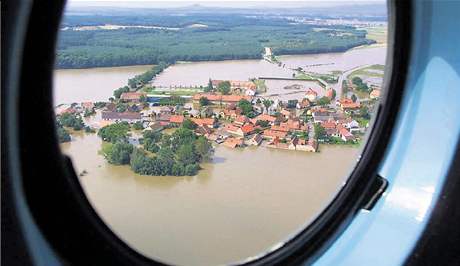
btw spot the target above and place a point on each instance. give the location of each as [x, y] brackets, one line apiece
[241, 204]
[91, 84]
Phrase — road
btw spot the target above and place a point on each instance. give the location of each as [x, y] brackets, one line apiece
[338, 87]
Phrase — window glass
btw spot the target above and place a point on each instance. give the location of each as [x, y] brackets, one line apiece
[210, 132]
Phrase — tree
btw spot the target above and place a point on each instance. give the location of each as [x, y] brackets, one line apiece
[360, 85]
[71, 120]
[117, 93]
[324, 101]
[138, 125]
[178, 169]
[99, 105]
[150, 141]
[186, 154]
[209, 87]
[267, 103]
[202, 147]
[89, 112]
[204, 101]
[115, 132]
[88, 129]
[354, 98]
[189, 124]
[364, 112]
[224, 87]
[320, 132]
[118, 153]
[140, 163]
[63, 135]
[245, 106]
[192, 169]
[121, 107]
[357, 81]
[262, 123]
[334, 94]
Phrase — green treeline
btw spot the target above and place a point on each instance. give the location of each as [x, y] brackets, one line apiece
[177, 154]
[144, 78]
[223, 39]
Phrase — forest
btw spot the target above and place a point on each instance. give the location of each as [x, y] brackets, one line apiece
[219, 37]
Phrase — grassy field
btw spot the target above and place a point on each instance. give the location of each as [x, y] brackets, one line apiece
[369, 72]
[175, 92]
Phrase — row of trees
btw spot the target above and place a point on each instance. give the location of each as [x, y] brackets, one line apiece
[144, 78]
[177, 154]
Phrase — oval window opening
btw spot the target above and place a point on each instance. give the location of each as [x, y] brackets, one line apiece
[208, 132]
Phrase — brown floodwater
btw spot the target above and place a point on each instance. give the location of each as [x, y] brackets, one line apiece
[91, 84]
[198, 73]
[243, 203]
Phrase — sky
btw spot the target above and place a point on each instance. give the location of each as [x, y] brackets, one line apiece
[224, 3]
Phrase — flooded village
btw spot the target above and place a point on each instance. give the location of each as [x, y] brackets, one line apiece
[282, 147]
[312, 108]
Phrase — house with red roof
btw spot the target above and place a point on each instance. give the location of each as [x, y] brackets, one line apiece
[264, 117]
[87, 105]
[345, 135]
[131, 96]
[176, 119]
[208, 122]
[291, 124]
[241, 120]
[348, 104]
[311, 95]
[281, 127]
[375, 94]
[272, 134]
[247, 129]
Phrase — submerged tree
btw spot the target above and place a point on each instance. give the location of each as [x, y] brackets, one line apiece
[224, 87]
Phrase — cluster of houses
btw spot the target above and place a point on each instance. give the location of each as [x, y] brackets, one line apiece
[223, 122]
[74, 108]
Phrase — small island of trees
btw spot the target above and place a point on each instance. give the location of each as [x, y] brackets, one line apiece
[177, 154]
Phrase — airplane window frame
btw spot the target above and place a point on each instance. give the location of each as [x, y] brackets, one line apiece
[60, 207]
